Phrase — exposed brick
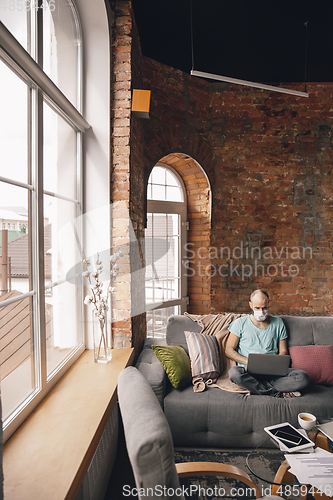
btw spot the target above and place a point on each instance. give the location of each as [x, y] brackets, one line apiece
[257, 148]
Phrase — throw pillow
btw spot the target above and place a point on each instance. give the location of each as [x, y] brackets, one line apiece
[315, 360]
[176, 363]
[204, 353]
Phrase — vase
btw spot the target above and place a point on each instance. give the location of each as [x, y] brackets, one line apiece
[102, 339]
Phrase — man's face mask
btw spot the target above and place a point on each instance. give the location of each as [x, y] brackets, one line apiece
[260, 315]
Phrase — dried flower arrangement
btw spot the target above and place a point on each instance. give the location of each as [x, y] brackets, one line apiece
[99, 300]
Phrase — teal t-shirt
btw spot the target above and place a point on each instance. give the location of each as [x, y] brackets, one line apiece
[257, 340]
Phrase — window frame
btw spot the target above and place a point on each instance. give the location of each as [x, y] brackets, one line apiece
[42, 89]
[180, 208]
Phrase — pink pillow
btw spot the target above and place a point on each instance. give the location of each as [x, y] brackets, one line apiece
[204, 354]
[315, 360]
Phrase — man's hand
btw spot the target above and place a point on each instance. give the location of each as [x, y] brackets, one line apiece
[230, 350]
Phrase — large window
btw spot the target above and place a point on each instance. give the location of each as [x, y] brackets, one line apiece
[41, 130]
[165, 240]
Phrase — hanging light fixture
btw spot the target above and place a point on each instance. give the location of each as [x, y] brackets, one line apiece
[262, 86]
[236, 81]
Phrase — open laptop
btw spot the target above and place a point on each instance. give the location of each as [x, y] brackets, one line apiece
[268, 364]
[327, 429]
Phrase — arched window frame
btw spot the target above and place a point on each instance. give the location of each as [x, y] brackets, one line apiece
[167, 308]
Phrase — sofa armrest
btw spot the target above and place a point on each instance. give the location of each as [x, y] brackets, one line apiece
[152, 369]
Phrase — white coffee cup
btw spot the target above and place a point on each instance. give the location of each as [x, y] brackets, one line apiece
[307, 421]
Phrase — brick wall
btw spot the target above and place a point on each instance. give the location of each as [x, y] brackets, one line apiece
[120, 169]
[268, 159]
[127, 183]
[274, 192]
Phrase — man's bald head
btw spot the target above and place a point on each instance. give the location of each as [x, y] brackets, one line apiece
[259, 292]
[259, 303]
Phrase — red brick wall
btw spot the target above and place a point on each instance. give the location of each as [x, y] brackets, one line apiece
[269, 159]
[120, 169]
[127, 183]
[274, 190]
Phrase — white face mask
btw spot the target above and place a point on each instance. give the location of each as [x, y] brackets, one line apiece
[260, 315]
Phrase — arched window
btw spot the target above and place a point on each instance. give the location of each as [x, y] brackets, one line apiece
[165, 241]
[41, 129]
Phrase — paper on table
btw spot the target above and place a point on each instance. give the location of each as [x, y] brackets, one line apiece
[315, 469]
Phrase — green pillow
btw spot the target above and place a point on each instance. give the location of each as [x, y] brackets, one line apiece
[176, 363]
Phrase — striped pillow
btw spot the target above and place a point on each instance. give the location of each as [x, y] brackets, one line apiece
[204, 355]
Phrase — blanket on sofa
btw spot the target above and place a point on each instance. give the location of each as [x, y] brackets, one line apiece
[217, 325]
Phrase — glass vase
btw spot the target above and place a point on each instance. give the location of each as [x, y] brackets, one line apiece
[102, 339]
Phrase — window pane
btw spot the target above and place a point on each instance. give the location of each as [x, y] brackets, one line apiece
[60, 47]
[158, 176]
[162, 257]
[13, 129]
[157, 321]
[174, 194]
[149, 192]
[149, 247]
[62, 334]
[171, 179]
[17, 341]
[16, 17]
[158, 192]
[173, 256]
[174, 225]
[63, 299]
[15, 239]
[164, 185]
[160, 223]
[16, 352]
[59, 155]
[149, 292]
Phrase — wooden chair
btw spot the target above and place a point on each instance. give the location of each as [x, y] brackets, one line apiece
[150, 446]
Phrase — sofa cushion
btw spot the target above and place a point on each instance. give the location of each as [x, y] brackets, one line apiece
[176, 327]
[217, 418]
[322, 330]
[148, 438]
[176, 363]
[309, 330]
[315, 360]
[204, 353]
[149, 365]
[300, 331]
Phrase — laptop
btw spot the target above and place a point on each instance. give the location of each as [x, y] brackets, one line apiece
[327, 429]
[268, 364]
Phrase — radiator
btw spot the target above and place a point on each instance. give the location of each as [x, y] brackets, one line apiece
[97, 478]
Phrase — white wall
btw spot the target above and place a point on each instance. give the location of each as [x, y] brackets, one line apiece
[96, 110]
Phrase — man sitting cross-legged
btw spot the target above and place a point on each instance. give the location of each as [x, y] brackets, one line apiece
[261, 333]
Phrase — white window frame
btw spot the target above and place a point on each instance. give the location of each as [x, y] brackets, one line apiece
[173, 207]
[42, 89]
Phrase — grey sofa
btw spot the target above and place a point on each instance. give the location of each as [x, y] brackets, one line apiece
[217, 418]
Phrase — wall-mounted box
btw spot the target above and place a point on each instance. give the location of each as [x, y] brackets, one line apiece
[141, 103]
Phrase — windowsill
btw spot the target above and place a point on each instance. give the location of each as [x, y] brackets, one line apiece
[49, 454]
